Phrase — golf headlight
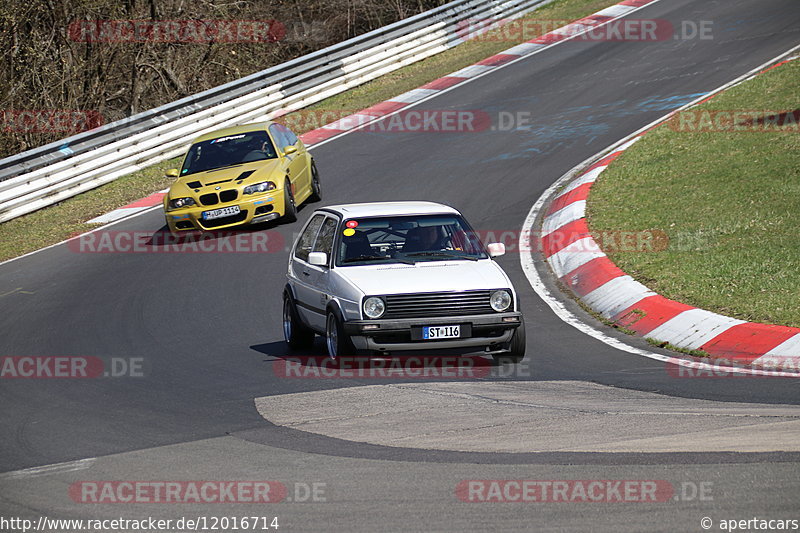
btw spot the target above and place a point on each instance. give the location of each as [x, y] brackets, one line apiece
[500, 300]
[178, 203]
[374, 307]
[264, 186]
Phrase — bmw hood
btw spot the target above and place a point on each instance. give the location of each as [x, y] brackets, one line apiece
[225, 178]
[429, 276]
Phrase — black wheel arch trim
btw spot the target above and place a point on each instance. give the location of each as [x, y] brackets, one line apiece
[333, 307]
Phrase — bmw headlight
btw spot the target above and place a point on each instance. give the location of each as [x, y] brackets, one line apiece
[500, 300]
[264, 186]
[178, 203]
[374, 307]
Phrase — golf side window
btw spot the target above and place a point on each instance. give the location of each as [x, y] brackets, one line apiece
[306, 241]
[324, 242]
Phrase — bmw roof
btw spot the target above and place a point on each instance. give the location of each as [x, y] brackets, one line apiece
[233, 130]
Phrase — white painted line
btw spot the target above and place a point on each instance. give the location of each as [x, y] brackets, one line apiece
[576, 254]
[693, 328]
[616, 295]
[565, 215]
[783, 362]
[57, 468]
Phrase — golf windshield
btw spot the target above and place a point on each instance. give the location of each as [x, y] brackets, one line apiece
[407, 239]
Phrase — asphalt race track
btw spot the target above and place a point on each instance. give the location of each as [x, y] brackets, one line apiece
[205, 329]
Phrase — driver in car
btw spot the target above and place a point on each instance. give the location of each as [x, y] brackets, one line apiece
[423, 239]
[258, 148]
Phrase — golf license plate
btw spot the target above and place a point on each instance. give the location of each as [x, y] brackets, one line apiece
[441, 332]
[219, 213]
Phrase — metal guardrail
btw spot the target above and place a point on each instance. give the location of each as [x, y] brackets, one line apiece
[54, 172]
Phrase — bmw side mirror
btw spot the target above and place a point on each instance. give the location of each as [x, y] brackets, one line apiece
[289, 150]
[496, 249]
[318, 258]
[172, 173]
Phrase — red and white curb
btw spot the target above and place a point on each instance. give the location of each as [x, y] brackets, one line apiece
[578, 262]
[143, 204]
[413, 97]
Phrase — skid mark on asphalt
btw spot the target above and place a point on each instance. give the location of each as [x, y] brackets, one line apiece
[18, 290]
[574, 125]
[57, 468]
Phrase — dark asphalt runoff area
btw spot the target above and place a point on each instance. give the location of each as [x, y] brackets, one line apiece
[197, 337]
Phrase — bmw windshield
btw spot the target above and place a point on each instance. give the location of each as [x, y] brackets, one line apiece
[227, 151]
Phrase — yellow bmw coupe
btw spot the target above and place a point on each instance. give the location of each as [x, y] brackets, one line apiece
[241, 175]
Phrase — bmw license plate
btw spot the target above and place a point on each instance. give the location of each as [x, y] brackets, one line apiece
[441, 332]
[219, 213]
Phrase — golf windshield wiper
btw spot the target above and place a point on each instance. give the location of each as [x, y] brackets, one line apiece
[374, 257]
[442, 253]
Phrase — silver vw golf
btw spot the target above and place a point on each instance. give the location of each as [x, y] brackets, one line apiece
[391, 277]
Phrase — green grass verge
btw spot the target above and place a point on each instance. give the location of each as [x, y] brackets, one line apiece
[729, 202]
[668, 346]
[58, 222]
